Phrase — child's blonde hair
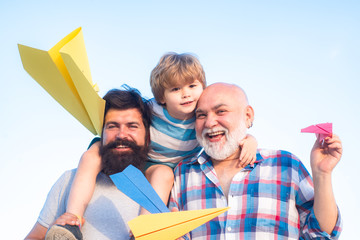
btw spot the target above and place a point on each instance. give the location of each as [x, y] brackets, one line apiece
[175, 69]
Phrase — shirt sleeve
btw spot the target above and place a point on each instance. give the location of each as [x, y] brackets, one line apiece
[56, 201]
[313, 231]
[309, 226]
[95, 139]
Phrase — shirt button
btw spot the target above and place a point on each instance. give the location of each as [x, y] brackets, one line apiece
[229, 229]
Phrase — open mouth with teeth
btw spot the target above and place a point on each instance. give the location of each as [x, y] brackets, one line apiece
[215, 135]
[123, 147]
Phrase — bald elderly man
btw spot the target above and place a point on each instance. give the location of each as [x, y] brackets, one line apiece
[275, 198]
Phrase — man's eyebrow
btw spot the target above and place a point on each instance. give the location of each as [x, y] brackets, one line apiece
[219, 105]
[134, 122]
[116, 123]
[213, 108]
[111, 122]
[198, 110]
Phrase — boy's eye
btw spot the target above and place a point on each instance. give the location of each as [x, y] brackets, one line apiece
[192, 85]
[133, 126]
[175, 89]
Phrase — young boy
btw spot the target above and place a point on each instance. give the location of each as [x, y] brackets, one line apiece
[177, 83]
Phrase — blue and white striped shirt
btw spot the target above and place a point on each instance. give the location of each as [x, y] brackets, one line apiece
[172, 140]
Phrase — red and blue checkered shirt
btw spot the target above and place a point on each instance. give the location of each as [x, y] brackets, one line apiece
[271, 200]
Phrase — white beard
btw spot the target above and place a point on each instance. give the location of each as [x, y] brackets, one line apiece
[217, 150]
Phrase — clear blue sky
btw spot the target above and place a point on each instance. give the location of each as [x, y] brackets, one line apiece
[297, 60]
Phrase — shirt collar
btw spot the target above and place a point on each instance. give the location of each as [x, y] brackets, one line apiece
[203, 158]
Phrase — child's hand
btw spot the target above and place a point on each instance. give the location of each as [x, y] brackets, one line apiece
[248, 151]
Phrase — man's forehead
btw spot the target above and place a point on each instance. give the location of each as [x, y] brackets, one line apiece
[211, 106]
[213, 100]
[131, 114]
[221, 95]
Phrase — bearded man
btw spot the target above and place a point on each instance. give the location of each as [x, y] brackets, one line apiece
[275, 198]
[124, 141]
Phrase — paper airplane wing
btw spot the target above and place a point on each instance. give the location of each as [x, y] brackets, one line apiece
[76, 61]
[50, 70]
[325, 127]
[133, 183]
[322, 130]
[172, 225]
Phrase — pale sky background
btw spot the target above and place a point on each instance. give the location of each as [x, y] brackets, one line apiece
[298, 61]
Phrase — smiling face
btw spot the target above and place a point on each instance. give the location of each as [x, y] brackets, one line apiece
[123, 141]
[222, 118]
[126, 125]
[180, 101]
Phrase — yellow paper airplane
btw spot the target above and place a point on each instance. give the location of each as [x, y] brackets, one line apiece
[64, 73]
[171, 225]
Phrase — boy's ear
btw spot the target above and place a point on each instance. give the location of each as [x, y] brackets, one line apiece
[249, 113]
[162, 102]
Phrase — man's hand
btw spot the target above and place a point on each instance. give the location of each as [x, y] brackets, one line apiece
[325, 155]
[69, 218]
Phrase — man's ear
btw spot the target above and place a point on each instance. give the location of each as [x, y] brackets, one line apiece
[249, 114]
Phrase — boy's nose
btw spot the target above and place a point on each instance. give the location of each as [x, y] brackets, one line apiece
[185, 93]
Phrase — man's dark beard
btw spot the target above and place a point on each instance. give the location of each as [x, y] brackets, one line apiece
[114, 161]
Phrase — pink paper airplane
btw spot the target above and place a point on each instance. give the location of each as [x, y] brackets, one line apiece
[322, 130]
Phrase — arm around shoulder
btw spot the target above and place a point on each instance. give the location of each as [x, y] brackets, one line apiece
[248, 150]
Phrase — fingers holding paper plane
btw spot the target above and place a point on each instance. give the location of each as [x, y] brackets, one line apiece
[327, 149]
[326, 154]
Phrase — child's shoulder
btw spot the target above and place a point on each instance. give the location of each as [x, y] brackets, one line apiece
[155, 106]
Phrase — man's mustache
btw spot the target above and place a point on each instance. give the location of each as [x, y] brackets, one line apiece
[113, 161]
[123, 142]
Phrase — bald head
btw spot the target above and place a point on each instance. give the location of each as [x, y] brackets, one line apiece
[223, 91]
[222, 118]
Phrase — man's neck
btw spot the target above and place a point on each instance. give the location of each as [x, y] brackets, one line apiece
[226, 170]
[229, 162]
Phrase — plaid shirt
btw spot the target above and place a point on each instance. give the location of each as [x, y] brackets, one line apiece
[271, 200]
